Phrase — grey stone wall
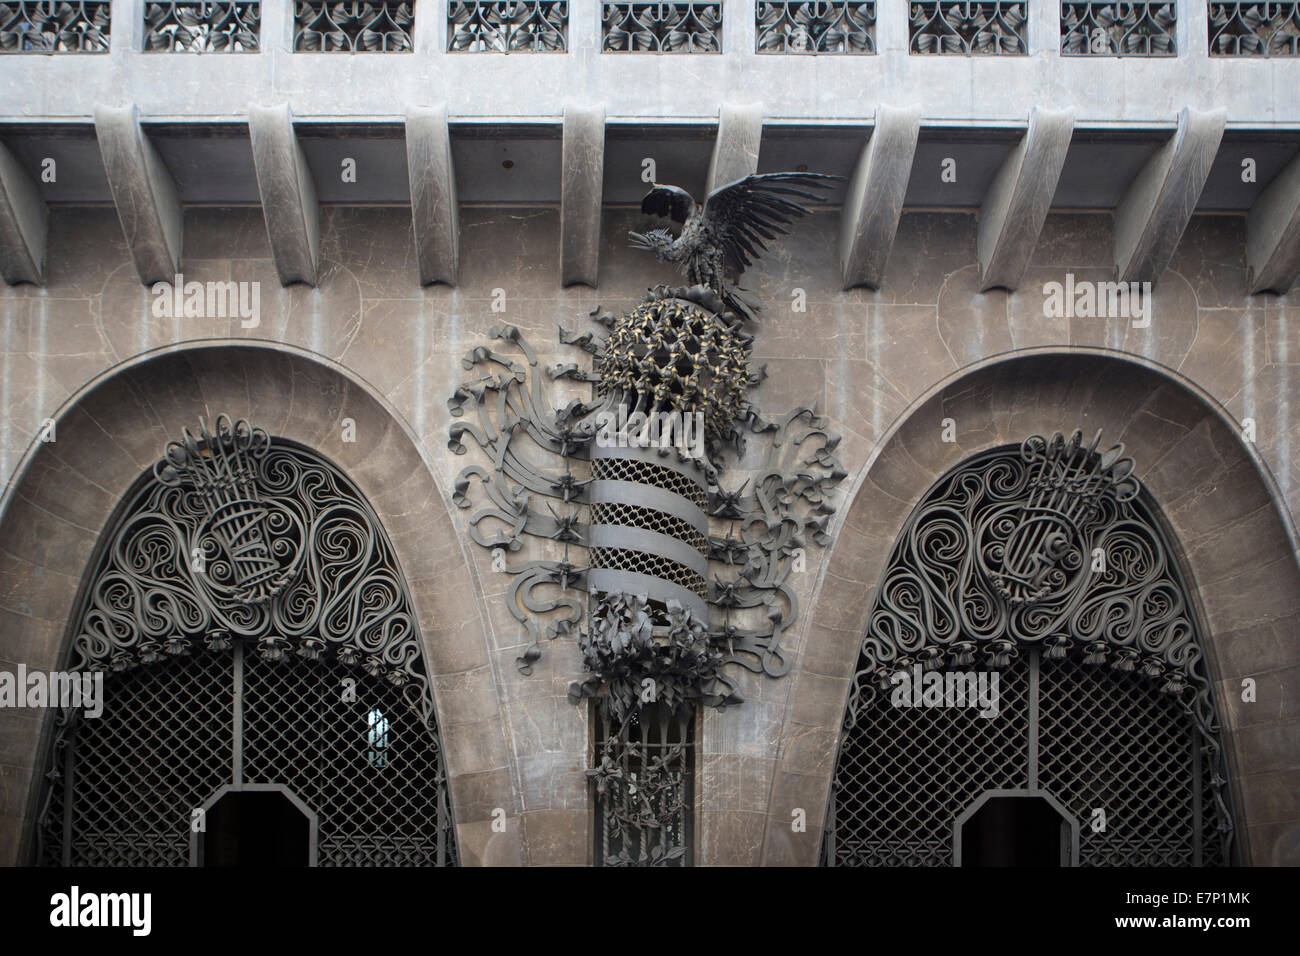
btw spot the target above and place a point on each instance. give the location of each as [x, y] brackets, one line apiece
[887, 366]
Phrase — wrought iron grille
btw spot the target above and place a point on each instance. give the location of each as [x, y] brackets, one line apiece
[194, 27]
[508, 26]
[361, 26]
[661, 27]
[1118, 29]
[1107, 743]
[1021, 561]
[55, 26]
[1255, 29]
[644, 786]
[258, 631]
[995, 27]
[820, 26]
[125, 786]
[904, 773]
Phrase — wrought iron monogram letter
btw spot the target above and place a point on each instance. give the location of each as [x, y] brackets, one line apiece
[236, 537]
[1040, 547]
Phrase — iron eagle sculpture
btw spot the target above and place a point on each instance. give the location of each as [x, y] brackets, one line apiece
[722, 236]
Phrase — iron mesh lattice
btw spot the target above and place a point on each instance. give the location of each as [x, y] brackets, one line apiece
[365, 765]
[904, 773]
[649, 519]
[646, 473]
[130, 806]
[641, 562]
[1145, 783]
[1105, 740]
[644, 783]
[363, 762]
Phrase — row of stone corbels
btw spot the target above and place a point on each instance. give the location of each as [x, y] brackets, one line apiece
[1149, 221]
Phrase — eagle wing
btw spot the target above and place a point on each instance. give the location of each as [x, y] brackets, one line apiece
[670, 201]
[741, 216]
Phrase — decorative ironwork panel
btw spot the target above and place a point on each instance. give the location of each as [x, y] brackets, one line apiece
[1107, 743]
[1255, 29]
[65, 26]
[360, 26]
[241, 542]
[819, 26]
[904, 774]
[1101, 28]
[508, 26]
[365, 762]
[1050, 550]
[162, 746]
[996, 27]
[644, 785]
[661, 27]
[193, 27]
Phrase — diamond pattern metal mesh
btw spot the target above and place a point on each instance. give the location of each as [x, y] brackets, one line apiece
[649, 519]
[621, 559]
[657, 476]
[161, 747]
[349, 745]
[363, 762]
[1106, 740]
[904, 773]
[1111, 742]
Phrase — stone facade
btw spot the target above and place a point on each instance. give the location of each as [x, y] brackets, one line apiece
[887, 366]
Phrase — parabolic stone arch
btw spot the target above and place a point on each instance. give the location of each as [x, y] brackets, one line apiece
[67, 491]
[1234, 541]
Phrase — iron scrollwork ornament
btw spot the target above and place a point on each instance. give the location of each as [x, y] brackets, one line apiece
[1050, 546]
[686, 573]
[238, 535]
[67, 26]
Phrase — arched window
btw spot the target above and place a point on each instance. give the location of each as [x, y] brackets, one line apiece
[1031, 637]
[262, 664]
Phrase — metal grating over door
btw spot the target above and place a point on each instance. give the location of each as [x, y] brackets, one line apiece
[127, 804]
[644, 787]
[254, 629]
[362, 761]
[349, 746]
[1094, 738]
[1108, 743]
[906, 772]
[1049, 565]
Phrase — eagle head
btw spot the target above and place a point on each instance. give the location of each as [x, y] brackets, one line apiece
[658, 241]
